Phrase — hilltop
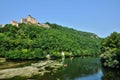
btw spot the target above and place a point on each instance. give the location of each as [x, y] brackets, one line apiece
[28, 20]
[29, 41]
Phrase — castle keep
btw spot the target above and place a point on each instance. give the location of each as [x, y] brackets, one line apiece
[29, 20]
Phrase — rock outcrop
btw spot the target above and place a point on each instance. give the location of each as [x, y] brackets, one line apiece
[29, 71]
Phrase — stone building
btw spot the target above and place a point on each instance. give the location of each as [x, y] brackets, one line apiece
[14, 23]
[29, 20]
[45, 25]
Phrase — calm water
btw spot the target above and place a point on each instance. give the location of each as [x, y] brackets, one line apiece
[77, 69]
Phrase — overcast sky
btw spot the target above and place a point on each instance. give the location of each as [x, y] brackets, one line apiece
[101, 17]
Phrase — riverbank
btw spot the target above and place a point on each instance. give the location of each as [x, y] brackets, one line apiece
[2, 60]
[38, 68]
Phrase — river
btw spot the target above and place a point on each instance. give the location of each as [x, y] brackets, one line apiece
[87, 68]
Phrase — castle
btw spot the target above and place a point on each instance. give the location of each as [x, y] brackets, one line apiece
[29, 20]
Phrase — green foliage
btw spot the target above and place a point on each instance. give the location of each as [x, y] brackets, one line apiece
[111, 51]
[31, 42]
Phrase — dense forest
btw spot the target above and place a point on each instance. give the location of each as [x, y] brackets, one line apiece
[110, 56]
[35, 42]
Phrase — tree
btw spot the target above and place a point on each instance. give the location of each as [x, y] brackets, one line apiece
[39, 42]
[111, 51]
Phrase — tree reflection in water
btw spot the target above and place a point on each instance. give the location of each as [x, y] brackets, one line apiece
[75, 68]
[110, 74]
[88, 68]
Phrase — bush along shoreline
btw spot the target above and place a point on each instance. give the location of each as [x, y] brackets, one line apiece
[110, 56]
[29, 41]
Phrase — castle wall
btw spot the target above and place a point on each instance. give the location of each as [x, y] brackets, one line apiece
[14, 23]
[45, 25]
[22, 20]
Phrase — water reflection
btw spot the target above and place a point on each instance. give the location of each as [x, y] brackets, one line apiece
[96, 76]
[110, 74]
[88, 68]
[77, 69]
